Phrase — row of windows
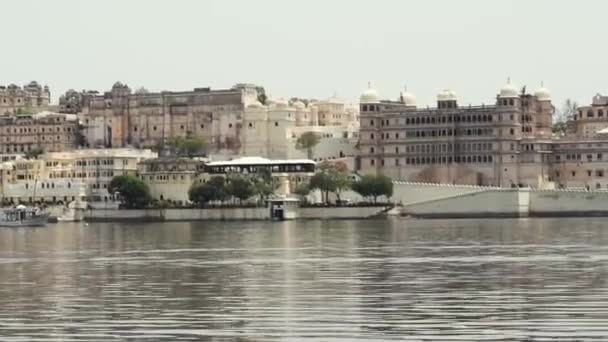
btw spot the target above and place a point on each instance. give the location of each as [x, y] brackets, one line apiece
[370, 108]
[97, 162]
[449, 133]
[42, 130]
[445, 148]
[439, 133]
[53, 175]
[163, 177]
[42, 138]
[480, 159]
[506, 102]
[47, 185]
[429, 120]
[575, 156]
[591, 113]
[590, 173]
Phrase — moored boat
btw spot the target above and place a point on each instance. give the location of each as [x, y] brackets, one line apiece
[22, 216]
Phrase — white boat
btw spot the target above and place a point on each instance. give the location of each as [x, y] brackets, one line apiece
[22, 216]
[73, 212]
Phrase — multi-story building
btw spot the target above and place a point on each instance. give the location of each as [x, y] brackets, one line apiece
[70, 175]
[589, 120]
[504, 144]
[20, 133]
[272, 130]
[120, 118]
[170, 179]
[29, 98]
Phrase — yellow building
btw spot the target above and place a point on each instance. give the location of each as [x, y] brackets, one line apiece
[70, 175]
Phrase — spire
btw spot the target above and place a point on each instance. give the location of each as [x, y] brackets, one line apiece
[369, 85]
[509, 80]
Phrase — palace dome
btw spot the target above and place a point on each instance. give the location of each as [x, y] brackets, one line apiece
[370, 95]
[509, 90]
[542, 94]
[255, 104]
[299, 104]
[446, 95]
[408, 98]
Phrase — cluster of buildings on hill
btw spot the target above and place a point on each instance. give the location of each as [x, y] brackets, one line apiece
[90, 137]
[233, 121]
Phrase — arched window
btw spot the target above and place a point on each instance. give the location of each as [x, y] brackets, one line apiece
[600, 113]
[511, 102]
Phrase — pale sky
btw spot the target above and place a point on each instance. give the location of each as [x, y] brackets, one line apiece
[310, 48]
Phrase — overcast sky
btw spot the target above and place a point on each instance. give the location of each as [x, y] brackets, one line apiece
[310, 48]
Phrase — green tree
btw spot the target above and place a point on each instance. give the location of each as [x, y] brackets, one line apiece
[374, 187]
[133, 192]
[264, 184]
[34, 153]
[307, 142]
[303, 190]
[201, 193]
[261, 95]
[240, 187]
[186, 147]
[194, 146]
[215, 189]
[342, 182]
[331, 178]
[81, 140]
[567, 112]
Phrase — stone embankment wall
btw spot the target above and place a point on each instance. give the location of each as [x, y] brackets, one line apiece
[568, 203]
[227, 214]
[440, 200]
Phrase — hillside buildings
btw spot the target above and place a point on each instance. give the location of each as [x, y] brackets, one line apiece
[121, 117]
[70, 175]
[272, 130]
[589, 120]
[27, 99]
[233, 121]
[48, 131]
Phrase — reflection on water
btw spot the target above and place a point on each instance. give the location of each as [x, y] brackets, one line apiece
[431, 280]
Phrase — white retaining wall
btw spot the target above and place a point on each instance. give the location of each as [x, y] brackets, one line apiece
[339, 213]
[226, 214]
[568, 202]
[409, 193]
[504, 202]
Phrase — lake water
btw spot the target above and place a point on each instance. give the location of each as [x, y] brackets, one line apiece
[384, 280]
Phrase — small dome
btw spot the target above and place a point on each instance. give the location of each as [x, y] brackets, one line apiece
[299, 104]
[255, 104]
[370, 95]
[446, 95]
[509, 90]
[542, 94]
[281, 102]
[408, 98]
